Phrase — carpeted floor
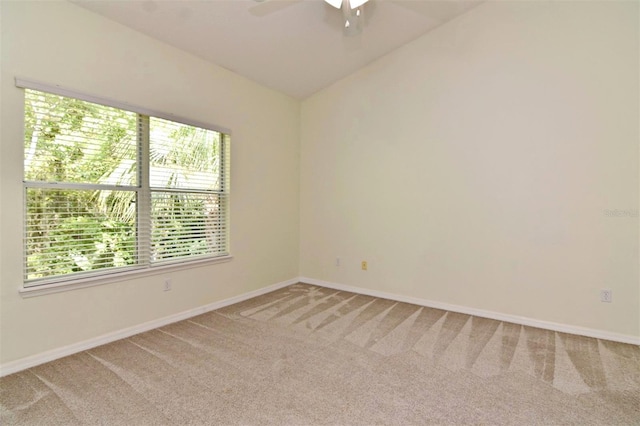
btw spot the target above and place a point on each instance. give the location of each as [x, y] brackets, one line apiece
[306, 355]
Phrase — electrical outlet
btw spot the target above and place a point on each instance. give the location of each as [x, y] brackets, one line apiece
[337, 261]
[606, 295]
[167, 284]
[364, 265]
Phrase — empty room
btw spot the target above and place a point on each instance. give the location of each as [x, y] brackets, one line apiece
[301, 212]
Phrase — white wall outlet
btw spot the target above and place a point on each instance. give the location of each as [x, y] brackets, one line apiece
[606, 295]
[167, 284]
[337, 261]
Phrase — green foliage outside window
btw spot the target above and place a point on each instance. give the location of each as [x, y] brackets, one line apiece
[82, 188]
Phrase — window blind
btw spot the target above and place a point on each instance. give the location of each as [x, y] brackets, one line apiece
[107, 189]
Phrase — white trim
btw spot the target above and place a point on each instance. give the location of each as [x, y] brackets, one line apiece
[69, 93]
[32, 361]
[531, 322]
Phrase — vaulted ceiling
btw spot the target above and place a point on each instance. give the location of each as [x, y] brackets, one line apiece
[293, 46]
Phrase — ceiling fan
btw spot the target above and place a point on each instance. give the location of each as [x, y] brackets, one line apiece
[352, 12]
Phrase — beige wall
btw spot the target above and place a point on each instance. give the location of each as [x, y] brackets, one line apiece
[475, 166]
[60, 43]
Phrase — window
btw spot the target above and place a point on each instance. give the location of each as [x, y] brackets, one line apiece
[110, 190]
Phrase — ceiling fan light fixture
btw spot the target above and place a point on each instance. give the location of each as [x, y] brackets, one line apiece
[353, 4]
[352, 14]
[335, 3]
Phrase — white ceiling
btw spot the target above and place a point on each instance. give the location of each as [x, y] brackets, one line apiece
[294, 46]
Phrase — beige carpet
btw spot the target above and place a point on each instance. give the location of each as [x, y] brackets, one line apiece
[308, 355]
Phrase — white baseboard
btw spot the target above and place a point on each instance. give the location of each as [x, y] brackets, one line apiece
[32, 361]
[547, 325]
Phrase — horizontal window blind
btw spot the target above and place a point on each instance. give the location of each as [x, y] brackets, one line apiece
[68, 140]
[188, 201]
[187, 224]
[195, 165]
[77, 231]
[107, 190]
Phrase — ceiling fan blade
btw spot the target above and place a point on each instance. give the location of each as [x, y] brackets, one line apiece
[264, 8]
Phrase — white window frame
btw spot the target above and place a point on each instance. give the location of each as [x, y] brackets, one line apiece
[144, 267]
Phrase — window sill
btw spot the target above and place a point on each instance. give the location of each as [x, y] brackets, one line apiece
[79, 283]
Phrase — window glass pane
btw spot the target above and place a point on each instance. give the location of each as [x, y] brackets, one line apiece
[75, 231]
[183, 156]
[94, 205]
[187, 225]
[69, 140]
